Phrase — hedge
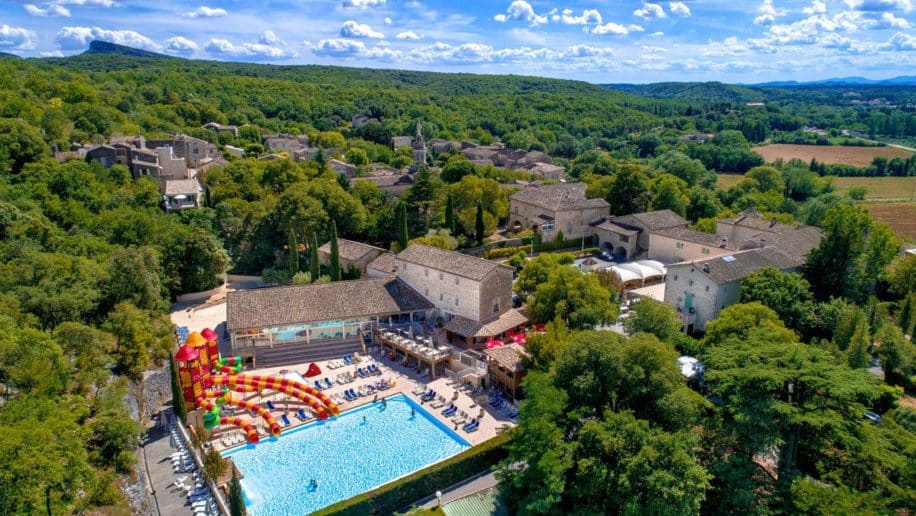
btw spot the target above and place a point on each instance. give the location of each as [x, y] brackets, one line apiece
[503, 252]
[396, 495]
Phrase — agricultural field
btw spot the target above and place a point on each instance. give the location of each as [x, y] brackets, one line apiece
[878, 189]
[900, 216]
[857, 156]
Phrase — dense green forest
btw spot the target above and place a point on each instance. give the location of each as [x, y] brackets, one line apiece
[89, 264]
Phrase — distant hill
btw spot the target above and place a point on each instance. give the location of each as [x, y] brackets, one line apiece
[104, 47]
[693, 91]
[903, 80]
[7, 55]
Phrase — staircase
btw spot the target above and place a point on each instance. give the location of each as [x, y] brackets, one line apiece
[301, 352]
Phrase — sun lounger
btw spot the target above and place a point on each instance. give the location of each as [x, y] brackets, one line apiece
[450, 410]
[270, 405]
[327, 383]
[418, 390]
[348, 360]
[438, 403]
[360, 372]
[317, 385]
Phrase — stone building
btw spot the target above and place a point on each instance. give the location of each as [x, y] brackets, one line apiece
[549, 210]
[353, 255]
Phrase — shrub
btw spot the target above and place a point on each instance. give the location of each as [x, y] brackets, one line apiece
[396, 495]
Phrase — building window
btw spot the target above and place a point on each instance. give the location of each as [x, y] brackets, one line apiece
[679, 245]
[404, 267]
[456, 301]
[456, 280]
[675, 277]
[705, 250]
[624, 238]
[707, 288]
[691, 283]
[427, 292]
[426, 272]
[441, 296]
[496, 307]
[441, 276]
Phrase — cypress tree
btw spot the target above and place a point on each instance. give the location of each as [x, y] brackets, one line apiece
[450, 214]
[907, 313]
[335, 254]
[859, 345]
[403, 236]
[314, 265]
[236, 500]
[479, 226]
[293, 253]
[177, 397]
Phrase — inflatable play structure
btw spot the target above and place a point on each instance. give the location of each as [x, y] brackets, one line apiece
[208, 382]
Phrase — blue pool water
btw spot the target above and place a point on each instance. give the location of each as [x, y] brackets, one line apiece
[348, 455]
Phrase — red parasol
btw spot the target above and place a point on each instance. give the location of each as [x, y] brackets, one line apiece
[186, 354]
[492, 343]
[208, 334]
[539, 327]
[518, 338]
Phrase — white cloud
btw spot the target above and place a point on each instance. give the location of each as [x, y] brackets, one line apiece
[262, 51]
[900, 42]
[51, 53]
[362, 4]
[408, 34]
[269, 37]
[768, 13]
[529, 37]
[75, 38]
[387, 20]
[650, 11]
[611, 28]
[16, 38]
[588, 17]
[679, 9]
[817, 7]
[889, 21]
[656, 34]
[205, 12]
[352, 29]
[881, 5]
[347, 48]
[88, 3]
[520, 10]
[180, 45]
[48, 10]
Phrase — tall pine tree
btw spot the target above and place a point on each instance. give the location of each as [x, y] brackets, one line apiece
[314, 264]
[334, 261]
[293, 245]
[450, 214]
[479, 227]
[403, 236]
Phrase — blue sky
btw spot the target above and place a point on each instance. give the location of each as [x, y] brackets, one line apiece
[592, 40]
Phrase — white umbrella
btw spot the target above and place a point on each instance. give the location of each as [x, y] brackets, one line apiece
[181, 197]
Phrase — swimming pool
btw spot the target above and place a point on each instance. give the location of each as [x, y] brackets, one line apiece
[348, 455]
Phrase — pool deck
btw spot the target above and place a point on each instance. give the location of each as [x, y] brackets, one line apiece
[405, 380]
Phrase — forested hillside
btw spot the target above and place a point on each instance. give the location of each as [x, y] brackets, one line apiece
[89, 263]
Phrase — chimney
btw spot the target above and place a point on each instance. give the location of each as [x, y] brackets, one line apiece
[723, 242]
[705, 267]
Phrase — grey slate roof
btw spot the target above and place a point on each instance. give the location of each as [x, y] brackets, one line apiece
[449, 261]
[616, 228]
[350, 249]
[562, 197]
[182, 186]
[277, 306]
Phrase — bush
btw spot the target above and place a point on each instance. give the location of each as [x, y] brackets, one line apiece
[502, 252]
[398, 494]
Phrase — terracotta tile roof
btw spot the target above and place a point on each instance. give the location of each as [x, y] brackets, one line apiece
[350, 249]
[562, 197]
[661, 219]
[449, 261]
[182, 186]
[508, 356]
[385, 262]
[737, 266]
[698, 237]
[278, 306]
[489, 328]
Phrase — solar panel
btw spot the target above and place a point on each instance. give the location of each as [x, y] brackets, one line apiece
[728, 258]
[183, 333]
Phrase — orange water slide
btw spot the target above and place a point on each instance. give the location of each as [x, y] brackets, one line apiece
[286, 386]
[316, 407]
[248, 405]
[246, 426]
